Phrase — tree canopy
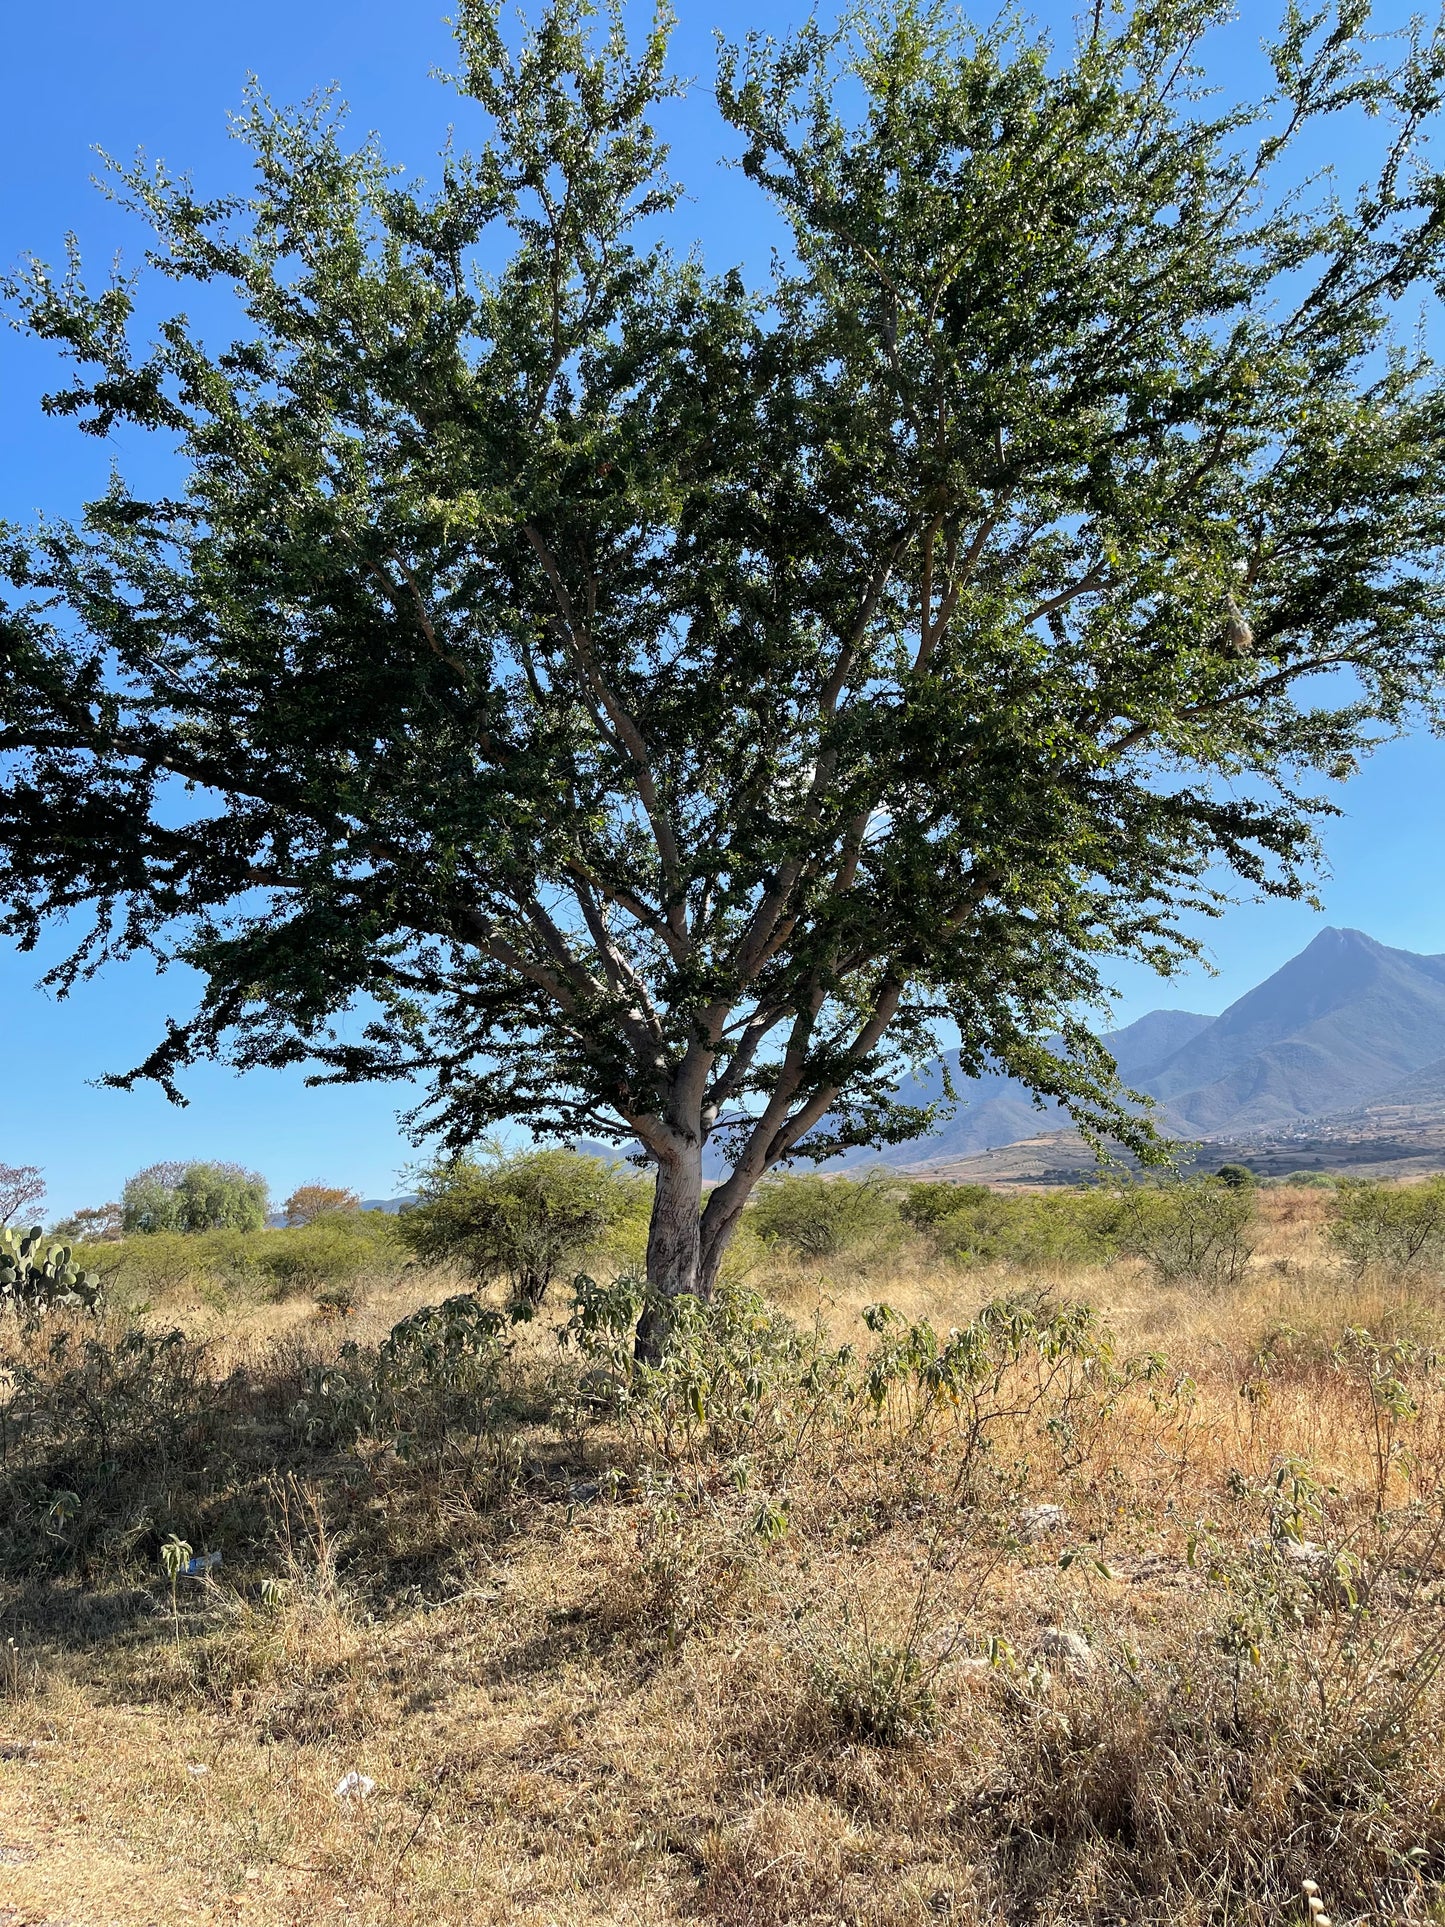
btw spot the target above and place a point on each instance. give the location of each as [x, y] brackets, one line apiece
[194, 1197]
[660, 701]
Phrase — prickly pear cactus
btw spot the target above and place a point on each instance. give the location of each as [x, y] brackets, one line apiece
[36, 1277]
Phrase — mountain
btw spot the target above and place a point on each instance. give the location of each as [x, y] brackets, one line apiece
[994, 1109]
[1342, 1022]
[1347, 1023]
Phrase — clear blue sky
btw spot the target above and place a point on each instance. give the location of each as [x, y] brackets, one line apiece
[163, 75]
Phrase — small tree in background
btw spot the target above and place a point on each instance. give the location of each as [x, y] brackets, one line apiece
[308, 1202]
[195, 1197]
[524, 1216]
[1395, 1229]
[93, 1224]
[1194, 1232]
[22, 1188]
[1236, 1177]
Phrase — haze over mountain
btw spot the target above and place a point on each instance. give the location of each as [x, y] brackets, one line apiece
[1346, 1022]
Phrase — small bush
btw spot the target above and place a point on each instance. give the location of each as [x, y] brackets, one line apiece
[1237, 1177]
[818, 1217]
[330, 1256]
[1397, 1229]
[1192, 1232]
[876, 1691]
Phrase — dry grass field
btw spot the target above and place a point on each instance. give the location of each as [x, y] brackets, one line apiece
[996, 1610]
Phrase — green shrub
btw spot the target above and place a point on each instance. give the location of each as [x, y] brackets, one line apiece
[524, 1216]
[194, 1197]
[333, 1256]
[818, 1217]
[328, 1258]
[155, 1267]
[972, 1225]
[1238, 1177]
[877, 1691]
[1194, 1231]
[926, 1206]
[1397, 1229]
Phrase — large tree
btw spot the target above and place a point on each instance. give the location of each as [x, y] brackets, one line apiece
[661, 703]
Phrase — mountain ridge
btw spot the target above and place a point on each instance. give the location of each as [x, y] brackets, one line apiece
[1347, 1022]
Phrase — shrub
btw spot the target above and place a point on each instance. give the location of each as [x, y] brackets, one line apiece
[93, 1224]
[327, 1257]
[194, 1197]
[1191, 1232]
[818, 1217]
[1238, 1177]
[972, 1225]
[877, 1691]
[927, 1206]
[523, 1216]
[1398, 1229]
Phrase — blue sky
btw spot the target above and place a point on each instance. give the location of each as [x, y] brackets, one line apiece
[163, 75]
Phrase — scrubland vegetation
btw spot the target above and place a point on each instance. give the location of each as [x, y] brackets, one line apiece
[1056, 1557]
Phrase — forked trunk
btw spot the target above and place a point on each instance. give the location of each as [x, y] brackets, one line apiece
[674, 1245]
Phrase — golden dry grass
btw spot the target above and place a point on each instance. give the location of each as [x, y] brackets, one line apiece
[639, 1703]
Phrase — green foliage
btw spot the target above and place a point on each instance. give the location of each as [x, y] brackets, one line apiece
[926, 1206]
[876, 1690]
[1022, 1359]
[194, 1197]
[1396, 1229]
[1195, 1231]
[435, 1379]
[100, 1433]
[1238, 1177]
[730, 1374]
[37, 1276]
[334, 1258]
[818, 1217]
[972, 1225]
[523, 1216]
[665, 703]
[328, 1258]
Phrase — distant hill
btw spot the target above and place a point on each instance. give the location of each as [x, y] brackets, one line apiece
[1343, 1022]
[1347, 1023]
[995, 1110]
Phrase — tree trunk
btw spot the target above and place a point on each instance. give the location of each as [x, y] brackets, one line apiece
[721, 1219]
[674, 1244]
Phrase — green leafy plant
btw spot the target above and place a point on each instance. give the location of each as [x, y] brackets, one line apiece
[194, 1197]
[971, 1224]
[175, 1556]
[1194, 1231]
[1237, 1177]
[523, 1216]
[1396, 1229]
[819, 1217]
